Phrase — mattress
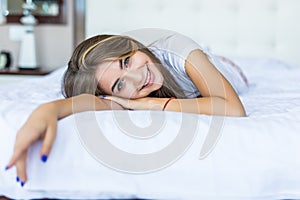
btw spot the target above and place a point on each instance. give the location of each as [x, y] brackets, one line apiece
[253, 157]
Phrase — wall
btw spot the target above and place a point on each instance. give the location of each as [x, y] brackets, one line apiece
[238, 27]
[54, 42]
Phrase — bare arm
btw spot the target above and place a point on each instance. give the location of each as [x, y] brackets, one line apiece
[218, 96]
[42, 124]
[81, 103]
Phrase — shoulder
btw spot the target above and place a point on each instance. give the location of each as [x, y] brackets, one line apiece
[175, 43]
[173, 50]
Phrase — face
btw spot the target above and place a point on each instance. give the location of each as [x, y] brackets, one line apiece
[132, 77]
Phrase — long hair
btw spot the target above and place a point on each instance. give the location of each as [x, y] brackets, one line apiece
[80, 76]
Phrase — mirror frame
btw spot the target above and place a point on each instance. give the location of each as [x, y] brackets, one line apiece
[59, 19]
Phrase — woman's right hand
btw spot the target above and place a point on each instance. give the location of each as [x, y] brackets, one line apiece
[41, 125]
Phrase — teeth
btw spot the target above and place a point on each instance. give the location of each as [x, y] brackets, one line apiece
[148, 78]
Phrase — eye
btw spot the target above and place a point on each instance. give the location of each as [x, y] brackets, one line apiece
[126, 62]
[120, 84]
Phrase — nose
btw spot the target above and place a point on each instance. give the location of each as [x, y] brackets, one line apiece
[134, 77]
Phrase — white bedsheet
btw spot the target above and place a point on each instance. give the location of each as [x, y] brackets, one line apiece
[256, 157]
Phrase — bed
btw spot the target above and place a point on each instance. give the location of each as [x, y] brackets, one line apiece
[255, 157]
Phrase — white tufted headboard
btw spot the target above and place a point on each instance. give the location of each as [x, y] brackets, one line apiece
[268, 28]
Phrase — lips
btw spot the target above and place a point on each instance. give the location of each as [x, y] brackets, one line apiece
[149, 79]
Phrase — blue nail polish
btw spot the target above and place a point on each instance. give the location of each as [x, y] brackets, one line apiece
[6, 168]
[17, 179]
[103, 96]
[44, 158]
[22, 184]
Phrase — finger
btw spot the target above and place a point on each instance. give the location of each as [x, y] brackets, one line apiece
[48, 142]
[21, 169]
[23, 141]
[13, 160]
[104, 96]
[122, 101]
[112, 99]
[18, 151]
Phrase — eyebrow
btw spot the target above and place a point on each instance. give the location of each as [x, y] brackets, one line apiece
[114, 85]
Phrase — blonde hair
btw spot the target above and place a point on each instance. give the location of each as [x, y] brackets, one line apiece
[80, 76]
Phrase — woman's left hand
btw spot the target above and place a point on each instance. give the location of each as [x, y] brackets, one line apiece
[146, 103]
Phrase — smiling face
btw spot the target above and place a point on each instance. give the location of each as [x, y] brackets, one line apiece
[132, 77]
[99, 66]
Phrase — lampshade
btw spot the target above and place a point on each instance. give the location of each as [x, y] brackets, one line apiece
[27, 56]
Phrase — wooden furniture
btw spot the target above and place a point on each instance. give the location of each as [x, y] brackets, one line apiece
[7, 76]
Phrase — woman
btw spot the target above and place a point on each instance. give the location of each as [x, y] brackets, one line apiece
[117, 72]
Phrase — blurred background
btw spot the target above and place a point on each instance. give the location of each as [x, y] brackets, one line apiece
[236, 27]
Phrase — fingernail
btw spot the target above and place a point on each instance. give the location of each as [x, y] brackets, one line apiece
[17, 179]
[22, 183]
[103, 96]
[6, 168]
[44, 158]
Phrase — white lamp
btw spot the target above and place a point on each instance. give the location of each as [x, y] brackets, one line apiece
[2, 12]
[27, 56]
